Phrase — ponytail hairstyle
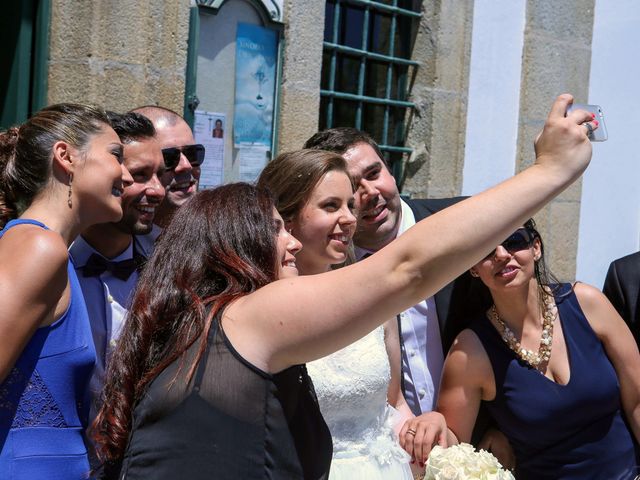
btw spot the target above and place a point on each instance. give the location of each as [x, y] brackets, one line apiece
[26, 151]
[219, 246]
[8, 141]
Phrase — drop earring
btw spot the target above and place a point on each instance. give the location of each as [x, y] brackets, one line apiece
[69, 196]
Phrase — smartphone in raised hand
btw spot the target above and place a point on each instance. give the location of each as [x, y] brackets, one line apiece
[600, 133]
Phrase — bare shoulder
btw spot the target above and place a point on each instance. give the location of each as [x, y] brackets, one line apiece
[468, 354]
[588, 295]
[468, 366]
[33, 253]
[601, 315]
[468, 341]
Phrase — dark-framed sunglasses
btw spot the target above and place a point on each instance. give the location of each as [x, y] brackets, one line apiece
[194, 153]
[521, 239]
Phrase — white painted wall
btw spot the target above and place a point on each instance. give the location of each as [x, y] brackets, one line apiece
[610, 207]
[494, 93]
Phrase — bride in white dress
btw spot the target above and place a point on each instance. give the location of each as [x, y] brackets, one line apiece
[314, 195]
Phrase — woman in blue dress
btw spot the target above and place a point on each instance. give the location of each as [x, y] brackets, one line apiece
[555, 365]
[60, 172]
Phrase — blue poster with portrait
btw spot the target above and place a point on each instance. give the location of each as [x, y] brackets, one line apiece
[256, 63]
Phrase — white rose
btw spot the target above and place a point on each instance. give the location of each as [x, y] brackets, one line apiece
[462, 462]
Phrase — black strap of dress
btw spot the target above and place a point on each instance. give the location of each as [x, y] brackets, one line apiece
[213, 330]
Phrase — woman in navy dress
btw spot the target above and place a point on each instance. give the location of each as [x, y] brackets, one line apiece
[60, 172]
[554, 364]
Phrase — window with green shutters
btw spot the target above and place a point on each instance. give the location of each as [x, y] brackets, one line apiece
[24, 36]
[366, 69]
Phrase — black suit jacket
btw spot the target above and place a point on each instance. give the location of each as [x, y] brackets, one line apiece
[622, 288]
[454, 302]
[451, 299]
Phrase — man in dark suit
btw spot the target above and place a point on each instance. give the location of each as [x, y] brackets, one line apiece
[622, 288]
[427, 329]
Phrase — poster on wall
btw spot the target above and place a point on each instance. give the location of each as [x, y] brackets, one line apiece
[252, 161]
[209, 130]
[256, 61]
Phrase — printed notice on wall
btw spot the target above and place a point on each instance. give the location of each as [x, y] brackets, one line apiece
[208, 129]
[256, 60]
[252, 161]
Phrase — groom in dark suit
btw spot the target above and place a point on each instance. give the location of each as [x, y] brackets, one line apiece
[622, 288]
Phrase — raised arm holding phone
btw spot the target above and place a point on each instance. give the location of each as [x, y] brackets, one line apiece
[224, 288]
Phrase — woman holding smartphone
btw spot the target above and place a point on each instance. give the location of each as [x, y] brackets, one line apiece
[208, 380]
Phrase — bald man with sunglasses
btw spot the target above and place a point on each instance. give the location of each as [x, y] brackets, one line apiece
[182, 159]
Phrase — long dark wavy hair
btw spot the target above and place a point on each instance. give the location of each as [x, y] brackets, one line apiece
[219, 246]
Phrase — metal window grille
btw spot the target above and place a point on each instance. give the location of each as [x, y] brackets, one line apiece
[366, 66]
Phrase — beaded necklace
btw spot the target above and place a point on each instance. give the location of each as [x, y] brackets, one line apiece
[534, 359]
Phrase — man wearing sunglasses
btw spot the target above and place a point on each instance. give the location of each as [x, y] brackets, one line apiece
[107, 256]
[182, 160]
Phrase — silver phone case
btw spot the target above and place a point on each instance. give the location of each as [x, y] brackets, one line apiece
[599, 134]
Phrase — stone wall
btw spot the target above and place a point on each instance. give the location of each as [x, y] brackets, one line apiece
[437, 126]
[556, 59]
[125, 53]
[118, 53]
[301, 69]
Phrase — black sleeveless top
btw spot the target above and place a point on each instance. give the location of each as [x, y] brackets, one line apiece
[232, 421]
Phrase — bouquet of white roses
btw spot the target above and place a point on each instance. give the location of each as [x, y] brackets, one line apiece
[463, 462]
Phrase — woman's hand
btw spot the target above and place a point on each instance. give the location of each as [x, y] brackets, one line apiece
[563, 142]
[420, 434]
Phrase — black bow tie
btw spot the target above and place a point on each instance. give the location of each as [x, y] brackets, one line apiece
[97, 265]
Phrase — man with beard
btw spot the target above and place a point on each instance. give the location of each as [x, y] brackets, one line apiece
[428, 329]
[182, 158]
[107, 257]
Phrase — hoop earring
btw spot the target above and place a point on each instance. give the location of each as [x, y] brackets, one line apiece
[69, 196]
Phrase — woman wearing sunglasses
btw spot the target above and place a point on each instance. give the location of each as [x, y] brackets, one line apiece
[554, 364]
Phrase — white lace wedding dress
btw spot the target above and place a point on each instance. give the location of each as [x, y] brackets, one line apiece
[351, 385]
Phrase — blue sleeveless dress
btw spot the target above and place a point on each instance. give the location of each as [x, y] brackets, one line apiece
[44, 401]
[572, 431]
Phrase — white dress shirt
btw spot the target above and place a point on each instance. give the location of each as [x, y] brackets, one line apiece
[421, 346]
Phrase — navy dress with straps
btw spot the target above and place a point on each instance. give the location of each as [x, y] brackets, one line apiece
[572, 431]
[44, 401]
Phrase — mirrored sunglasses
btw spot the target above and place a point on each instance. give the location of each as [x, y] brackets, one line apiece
[519, 240]
[194, 153]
